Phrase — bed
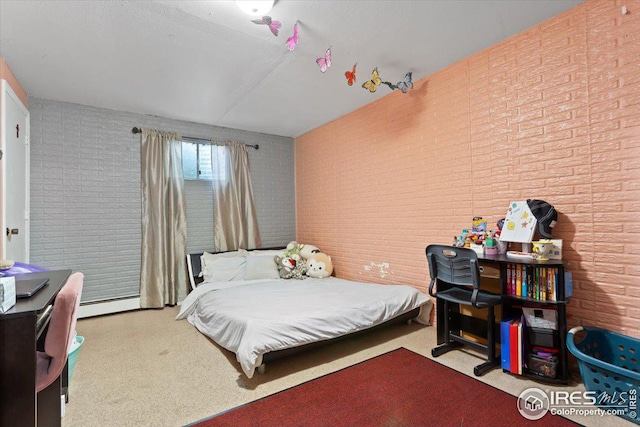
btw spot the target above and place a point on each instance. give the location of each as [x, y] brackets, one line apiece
[250, 311]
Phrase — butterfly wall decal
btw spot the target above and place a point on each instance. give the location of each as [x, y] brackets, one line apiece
[293, 40]
[375, 81]
[324, 62]
[274, 26]
[351, 75]
[407, 84]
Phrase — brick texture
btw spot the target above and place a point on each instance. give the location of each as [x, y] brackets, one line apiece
[86, 200]
[552, 113]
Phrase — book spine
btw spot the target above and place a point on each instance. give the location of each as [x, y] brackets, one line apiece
[519, 280]
[505, 346]
[520, 346]
[513, 348]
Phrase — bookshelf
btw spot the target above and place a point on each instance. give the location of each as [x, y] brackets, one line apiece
[535, 296]
[472, 322]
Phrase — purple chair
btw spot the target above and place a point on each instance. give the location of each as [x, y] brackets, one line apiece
[58, 340]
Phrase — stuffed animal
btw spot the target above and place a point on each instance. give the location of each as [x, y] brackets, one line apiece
[292, 245]
[307, 251]
[319, 265]
[293, 250]
[289, 268]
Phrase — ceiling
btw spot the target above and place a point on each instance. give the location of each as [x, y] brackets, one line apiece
[206, 62]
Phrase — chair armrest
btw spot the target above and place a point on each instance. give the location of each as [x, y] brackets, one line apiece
[431, 285]
[475, 271]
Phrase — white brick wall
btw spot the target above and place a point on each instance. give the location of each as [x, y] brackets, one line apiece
[85, 192]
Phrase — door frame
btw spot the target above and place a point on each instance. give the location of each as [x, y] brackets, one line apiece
[6, 89]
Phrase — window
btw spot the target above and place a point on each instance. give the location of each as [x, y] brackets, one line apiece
[197, 161]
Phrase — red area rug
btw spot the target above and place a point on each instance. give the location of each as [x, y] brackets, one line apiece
[399, 388]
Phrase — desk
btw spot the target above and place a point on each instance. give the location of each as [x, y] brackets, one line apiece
[494, 273]
[20, 328]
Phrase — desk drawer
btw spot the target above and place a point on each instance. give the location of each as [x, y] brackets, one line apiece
[489, 270]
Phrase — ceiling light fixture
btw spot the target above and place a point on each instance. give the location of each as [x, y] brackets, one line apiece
[255, 8]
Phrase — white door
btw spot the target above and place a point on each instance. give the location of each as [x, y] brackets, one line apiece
[15, 177]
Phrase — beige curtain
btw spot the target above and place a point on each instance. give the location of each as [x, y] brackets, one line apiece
[163, 274]
[234, 215]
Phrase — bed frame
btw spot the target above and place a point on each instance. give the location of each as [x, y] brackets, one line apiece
[278, 354]
[194, 268]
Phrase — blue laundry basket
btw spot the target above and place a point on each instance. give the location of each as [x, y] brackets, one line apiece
[609, 366]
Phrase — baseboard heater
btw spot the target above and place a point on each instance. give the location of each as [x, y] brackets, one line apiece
[117, 305]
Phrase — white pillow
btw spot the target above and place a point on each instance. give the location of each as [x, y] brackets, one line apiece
[225, 269]
[206, 256]
[261, 267]
[212, 262]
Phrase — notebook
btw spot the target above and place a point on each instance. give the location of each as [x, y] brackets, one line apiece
[29, 287]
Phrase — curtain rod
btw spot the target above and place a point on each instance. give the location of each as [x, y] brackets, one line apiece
[138, 130]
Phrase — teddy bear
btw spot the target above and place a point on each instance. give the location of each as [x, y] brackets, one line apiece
[319, 265]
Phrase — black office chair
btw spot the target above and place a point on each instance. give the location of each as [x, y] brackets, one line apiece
[456, 274]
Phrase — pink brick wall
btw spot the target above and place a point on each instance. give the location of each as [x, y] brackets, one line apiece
[6, 74]
[552, 113]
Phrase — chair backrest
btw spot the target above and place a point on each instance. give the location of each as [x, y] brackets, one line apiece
[61, 328]
[452, 265]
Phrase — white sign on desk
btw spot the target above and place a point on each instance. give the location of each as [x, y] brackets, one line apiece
[519, 223]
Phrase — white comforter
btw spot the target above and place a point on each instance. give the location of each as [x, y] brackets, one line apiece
[254, 317]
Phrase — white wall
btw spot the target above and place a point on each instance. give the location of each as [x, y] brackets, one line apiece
[85, 192]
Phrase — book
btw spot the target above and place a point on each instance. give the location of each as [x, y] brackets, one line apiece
[520, 346]
[568, 284]
[505, 346]
[513, 279]
[514, 346]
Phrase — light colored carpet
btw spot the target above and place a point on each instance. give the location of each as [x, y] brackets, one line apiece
[144, 368]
